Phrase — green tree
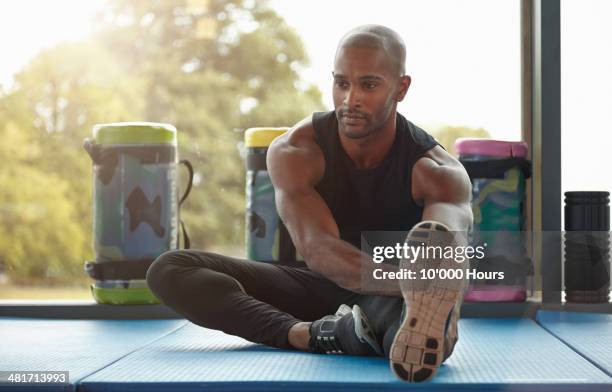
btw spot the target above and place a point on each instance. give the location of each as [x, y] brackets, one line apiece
[41, 236]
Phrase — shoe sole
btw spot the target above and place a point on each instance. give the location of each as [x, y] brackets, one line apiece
[417, 350]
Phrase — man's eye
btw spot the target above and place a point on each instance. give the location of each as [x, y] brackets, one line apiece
[370, 86]
[341, 84]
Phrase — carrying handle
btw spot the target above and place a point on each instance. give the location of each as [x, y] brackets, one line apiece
[186, 241]
[92, 149]
[187, 164]
[190, 183]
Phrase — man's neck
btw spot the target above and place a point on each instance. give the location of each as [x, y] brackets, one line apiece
[369, 152]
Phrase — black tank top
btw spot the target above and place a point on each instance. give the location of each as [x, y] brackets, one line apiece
[378, 199]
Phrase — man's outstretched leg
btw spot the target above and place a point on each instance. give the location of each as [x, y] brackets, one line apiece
[427, 332]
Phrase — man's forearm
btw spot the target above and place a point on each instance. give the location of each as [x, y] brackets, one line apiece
[349, 267]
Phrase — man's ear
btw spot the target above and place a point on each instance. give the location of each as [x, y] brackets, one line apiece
[404, 86]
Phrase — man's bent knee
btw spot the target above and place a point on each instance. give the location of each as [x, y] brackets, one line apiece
[178, 274]
[163, 272]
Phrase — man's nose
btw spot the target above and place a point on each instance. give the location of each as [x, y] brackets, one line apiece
[352, 98]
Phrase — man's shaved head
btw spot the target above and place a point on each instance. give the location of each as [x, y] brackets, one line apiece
[377, 36]
[369, 81]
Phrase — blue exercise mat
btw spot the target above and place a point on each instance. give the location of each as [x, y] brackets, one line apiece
[498, 354]
[81, 347]
[590, 334]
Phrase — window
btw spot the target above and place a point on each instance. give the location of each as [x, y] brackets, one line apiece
[463, 56]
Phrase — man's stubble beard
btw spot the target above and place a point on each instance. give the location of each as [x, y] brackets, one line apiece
[369, 128]
[365, 131]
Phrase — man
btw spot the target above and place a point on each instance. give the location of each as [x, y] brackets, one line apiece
[337, 174]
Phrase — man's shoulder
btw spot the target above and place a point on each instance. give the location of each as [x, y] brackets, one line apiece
[300, 135]
[295, 154]
[299, 140]
[309, 131]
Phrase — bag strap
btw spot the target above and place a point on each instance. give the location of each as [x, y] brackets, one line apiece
[186, 240]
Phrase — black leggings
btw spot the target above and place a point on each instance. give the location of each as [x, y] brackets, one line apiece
[203, 287]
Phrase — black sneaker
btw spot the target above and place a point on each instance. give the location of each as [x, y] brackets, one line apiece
[346, 332]
[428, 330]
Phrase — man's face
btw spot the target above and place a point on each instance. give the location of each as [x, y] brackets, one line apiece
[366, 90]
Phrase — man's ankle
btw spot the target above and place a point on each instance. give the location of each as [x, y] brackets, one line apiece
[299, 336]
